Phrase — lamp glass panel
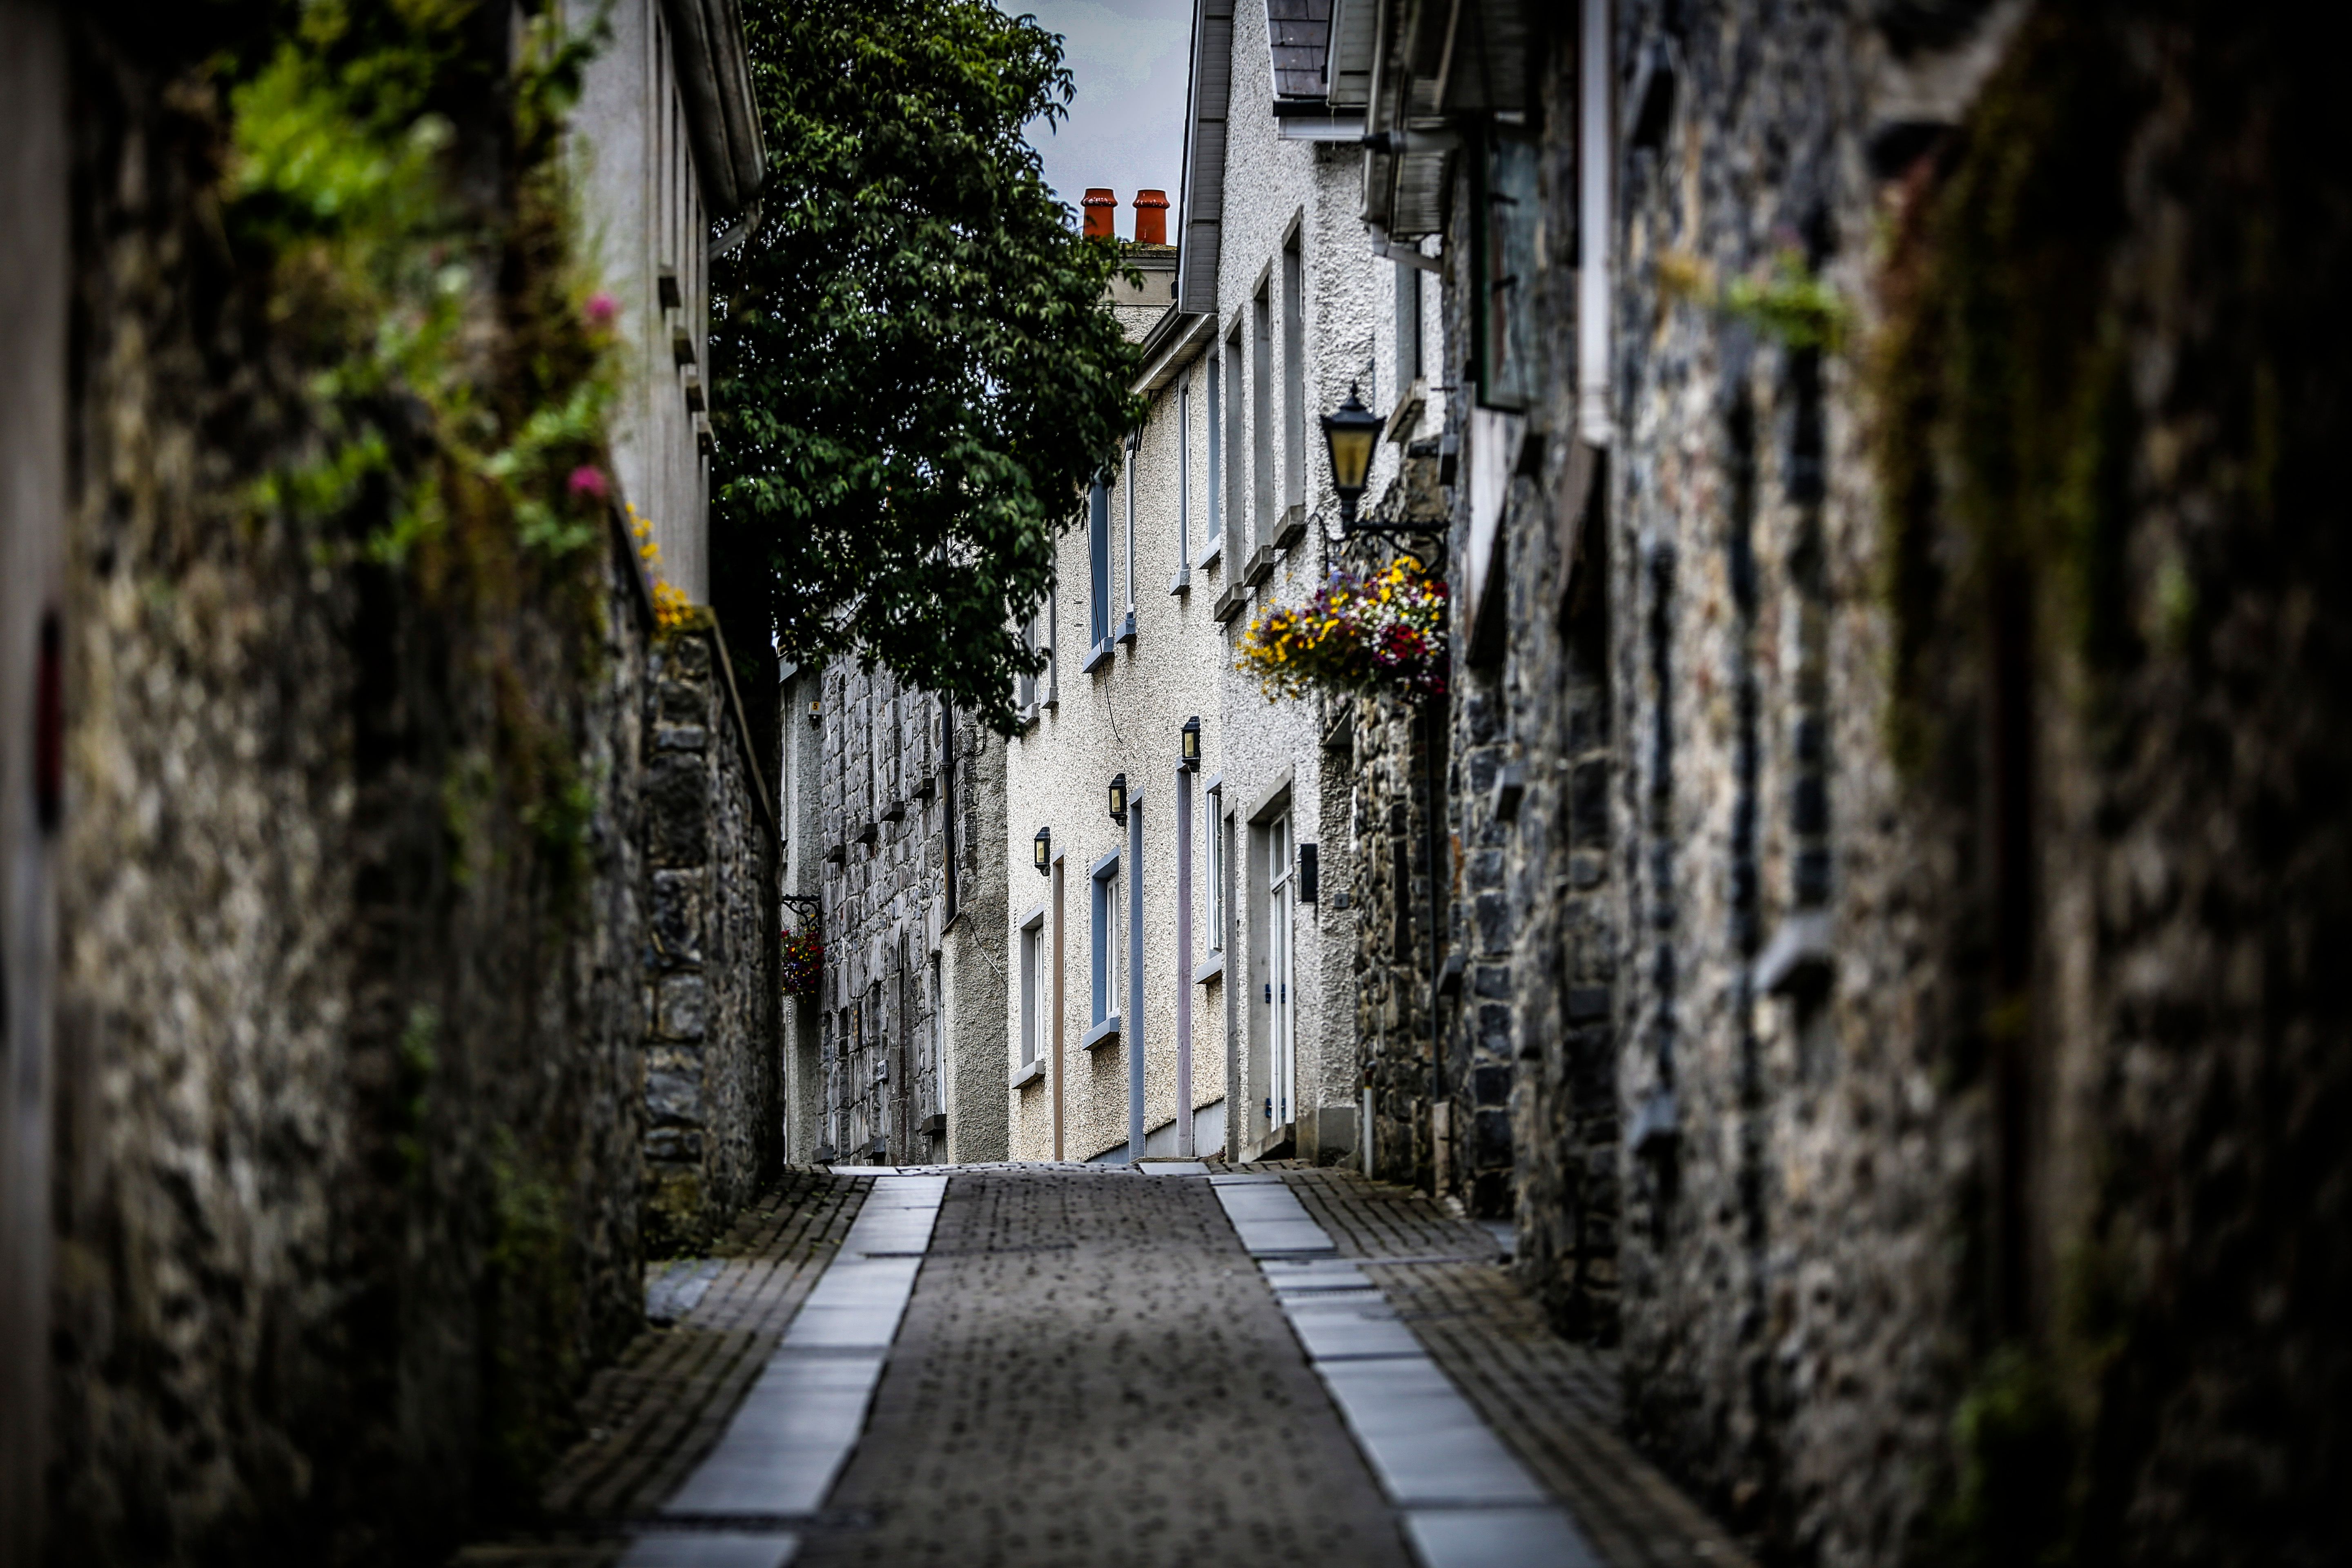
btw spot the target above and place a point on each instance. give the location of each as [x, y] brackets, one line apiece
[1351, 457]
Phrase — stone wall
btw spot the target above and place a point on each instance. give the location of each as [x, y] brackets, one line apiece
[712, 1067]
[348, 987]
[1885, 777]
[1399, 882]
[891, 890]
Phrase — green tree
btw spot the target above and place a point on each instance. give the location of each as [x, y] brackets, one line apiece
[914, 373]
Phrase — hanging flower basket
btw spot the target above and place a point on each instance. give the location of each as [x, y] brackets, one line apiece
[803, 956]
[1381, 633]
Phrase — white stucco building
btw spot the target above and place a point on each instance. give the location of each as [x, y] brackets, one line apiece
[669, 137]
[1196, 928]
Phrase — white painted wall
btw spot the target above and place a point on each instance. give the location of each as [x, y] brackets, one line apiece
[643, 215]
[1125, 717]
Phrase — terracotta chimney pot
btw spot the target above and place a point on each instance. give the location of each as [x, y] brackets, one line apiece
[1099, 204]
[1152, 217]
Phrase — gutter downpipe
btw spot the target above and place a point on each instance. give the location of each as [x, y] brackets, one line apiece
[1059, 881]
[1134, 1025]
[1184, 1149]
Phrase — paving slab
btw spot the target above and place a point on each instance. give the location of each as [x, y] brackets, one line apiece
[1497, 1538]
[711, 1549]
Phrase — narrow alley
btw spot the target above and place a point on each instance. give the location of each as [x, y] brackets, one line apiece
[1077, 1364]
[926, 784]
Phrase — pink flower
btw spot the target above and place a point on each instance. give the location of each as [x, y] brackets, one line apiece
[602, 310]
[589, 481]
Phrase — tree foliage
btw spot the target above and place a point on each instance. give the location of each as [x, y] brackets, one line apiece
[914, 373]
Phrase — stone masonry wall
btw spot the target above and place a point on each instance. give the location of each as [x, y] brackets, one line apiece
[899, 1069]
[1970, 684]
[1401, 863]
[348, 1021]
[712, 1064]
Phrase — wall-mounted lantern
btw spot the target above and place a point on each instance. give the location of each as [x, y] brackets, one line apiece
[1041, 851]
[1350, 433]
[1119, 799]
[1188, 740]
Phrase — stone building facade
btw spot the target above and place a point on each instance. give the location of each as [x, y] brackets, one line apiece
[1873, 921]
[904, 809]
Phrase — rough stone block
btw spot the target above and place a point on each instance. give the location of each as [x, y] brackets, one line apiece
[1588, 803]
[677, 917]
[681, 1007]
[677, 795]
[681, 1144]
[673, 1099]
[1587, 1004]
[1492, 913]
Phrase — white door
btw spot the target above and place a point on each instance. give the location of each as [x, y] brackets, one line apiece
[1282, 1035]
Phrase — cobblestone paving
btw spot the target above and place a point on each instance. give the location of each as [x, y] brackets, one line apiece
[1091, 1372]
[653, 1415]
[1091, 1369]
[1554, 1402]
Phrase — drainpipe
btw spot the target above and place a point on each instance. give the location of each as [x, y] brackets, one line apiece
[1184, 964]
[1134, 1025]
[1059, 880]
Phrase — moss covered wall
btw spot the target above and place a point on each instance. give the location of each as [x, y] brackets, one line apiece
[349, 891]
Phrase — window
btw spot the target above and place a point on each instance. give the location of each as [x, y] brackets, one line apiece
[947, 809]
[1212, 374]
[1221, 841]
[1261, 420]
[1408, 326]
[1127, 488]
[1098, 562]
[1054, 640]
[1036, 988]
[1184, 480]
[1294, 376]
[1025, 689]
[1236, 438]
[1103, 947]
[1281, 1035]
[1505, 264]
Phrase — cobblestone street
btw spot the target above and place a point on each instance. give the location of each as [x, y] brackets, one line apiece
[1067, 1365]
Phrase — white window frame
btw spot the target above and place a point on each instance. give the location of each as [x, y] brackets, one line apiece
[1183, 486]
[1282, 980]
[1127, 485]
[1220, 855]
[1036, 987]
[1103, 917]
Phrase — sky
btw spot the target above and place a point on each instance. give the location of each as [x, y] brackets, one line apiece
[1131, 60]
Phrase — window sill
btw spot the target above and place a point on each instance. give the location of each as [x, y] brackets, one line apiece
[1103, 1033]
[1293, 528]
[1027, 717]
[1182, 582]
[1098, 656]
[1127, 630]
[1210, 555]
[1030, 1074]
[1212, 968]
[1231, 602]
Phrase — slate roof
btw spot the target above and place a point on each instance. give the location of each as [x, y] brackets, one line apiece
[1300, 31]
